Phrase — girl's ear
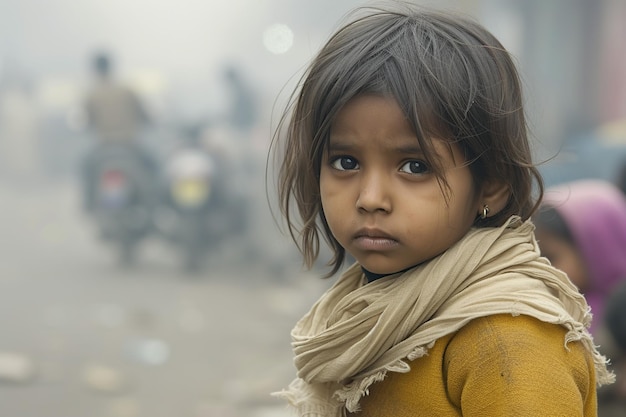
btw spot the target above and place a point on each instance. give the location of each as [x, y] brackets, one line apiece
[493, 198]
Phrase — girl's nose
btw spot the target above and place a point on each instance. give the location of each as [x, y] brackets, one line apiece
[374, 194]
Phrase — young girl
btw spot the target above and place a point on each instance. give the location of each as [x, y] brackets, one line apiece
[406, 148]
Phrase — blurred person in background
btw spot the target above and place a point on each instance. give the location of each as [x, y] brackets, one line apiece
[114, 111]
[581, 228]
[116, 116]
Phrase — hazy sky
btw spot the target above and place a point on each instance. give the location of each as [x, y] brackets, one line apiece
[182, 37]
[171, 44]
[173, 47]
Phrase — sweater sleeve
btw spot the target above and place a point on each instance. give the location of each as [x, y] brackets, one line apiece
[518, 366]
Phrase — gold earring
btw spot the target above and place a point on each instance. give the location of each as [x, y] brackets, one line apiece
[485, 212]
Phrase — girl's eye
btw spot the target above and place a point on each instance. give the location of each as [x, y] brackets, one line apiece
[344, 163]
[414, 167]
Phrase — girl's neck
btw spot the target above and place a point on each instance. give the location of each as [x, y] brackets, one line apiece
[372, 276]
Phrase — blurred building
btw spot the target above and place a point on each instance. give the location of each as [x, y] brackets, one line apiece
[573, 59]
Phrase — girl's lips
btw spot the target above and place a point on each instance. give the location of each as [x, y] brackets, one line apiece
[368, 243]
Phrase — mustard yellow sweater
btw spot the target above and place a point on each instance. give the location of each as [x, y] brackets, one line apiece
[494, 366]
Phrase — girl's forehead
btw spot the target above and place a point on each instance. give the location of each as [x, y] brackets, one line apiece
[378, 108]
[372, 116]
[371, 113]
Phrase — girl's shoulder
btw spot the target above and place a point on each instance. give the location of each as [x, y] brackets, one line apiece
[498, 365]
[519, 361]
[516, 340]
[517, 331]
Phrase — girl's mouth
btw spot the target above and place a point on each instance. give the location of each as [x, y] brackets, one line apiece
[372, 243]
[373, 240]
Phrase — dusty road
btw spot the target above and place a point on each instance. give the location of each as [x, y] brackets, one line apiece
[83, 338]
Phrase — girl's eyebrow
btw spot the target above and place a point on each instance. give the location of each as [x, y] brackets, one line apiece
[339, 145]
[408, 149]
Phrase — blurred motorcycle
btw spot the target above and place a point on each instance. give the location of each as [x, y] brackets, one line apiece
[198, 210]
[120, 197]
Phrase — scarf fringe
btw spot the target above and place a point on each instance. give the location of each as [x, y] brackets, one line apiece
[309, 400]
[603, 375]
[351, 394]
[578, 333]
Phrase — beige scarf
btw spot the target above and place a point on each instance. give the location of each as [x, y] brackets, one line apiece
[358, 331]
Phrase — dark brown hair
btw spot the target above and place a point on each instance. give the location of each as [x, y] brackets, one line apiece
[451, 77]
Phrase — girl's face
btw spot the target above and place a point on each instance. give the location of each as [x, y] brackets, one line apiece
[381, 200]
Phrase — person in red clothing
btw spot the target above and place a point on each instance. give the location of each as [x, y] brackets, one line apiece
[405, 148]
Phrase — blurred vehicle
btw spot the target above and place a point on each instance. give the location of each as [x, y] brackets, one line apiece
[597, 154]
[121, 195]
[197, 211]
